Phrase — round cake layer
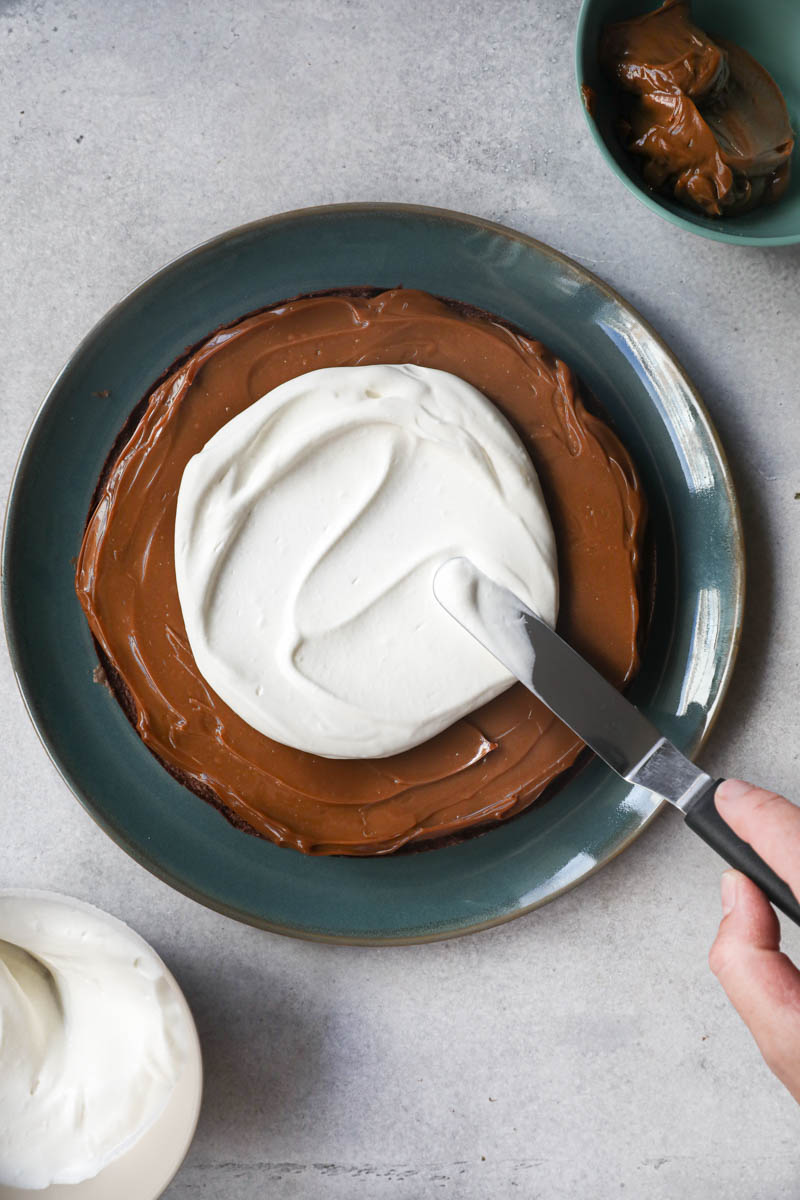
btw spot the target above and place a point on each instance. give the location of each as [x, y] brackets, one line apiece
[486, 767]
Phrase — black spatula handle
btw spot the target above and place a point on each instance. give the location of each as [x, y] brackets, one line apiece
[704, 819]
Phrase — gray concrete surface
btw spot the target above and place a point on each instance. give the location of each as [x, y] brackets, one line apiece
[584, 1051]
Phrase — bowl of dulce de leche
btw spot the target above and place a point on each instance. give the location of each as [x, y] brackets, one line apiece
[695, 106]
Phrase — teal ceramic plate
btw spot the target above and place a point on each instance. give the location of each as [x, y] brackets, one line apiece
[439, 893]
[770, 31]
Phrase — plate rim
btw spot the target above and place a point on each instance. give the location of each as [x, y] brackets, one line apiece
[364, 208]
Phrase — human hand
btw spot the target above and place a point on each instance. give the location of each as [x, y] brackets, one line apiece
[762, 983]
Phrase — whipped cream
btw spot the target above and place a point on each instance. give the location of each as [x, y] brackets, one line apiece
[307, 536]
[92, 1039]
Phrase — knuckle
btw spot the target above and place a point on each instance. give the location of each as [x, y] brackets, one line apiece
[718, 956]
[766, 803]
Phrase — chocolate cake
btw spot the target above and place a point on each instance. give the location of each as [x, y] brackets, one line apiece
[487, 767]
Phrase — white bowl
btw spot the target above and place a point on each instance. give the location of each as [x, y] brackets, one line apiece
[144, 1171]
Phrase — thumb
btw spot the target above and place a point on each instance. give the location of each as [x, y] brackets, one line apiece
[762, 983]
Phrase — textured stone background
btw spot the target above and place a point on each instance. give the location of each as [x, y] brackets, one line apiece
[584, 1050]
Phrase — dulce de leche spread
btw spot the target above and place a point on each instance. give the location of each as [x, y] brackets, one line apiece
[708, 121]
[484, 768]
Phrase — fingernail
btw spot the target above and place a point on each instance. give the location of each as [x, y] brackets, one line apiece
[728, 892]
[731, 789]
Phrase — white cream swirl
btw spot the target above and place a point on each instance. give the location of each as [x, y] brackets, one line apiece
[92, 1039]
[308, 532]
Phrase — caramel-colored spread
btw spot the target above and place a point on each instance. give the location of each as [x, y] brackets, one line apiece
[486, 767]
[708, 121]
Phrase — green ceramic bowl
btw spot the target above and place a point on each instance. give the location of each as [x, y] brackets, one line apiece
[770, 31]
[695, 523]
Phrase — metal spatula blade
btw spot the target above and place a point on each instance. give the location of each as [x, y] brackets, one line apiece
[600, 715]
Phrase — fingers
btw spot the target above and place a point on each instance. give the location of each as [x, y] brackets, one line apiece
[770, 823]
[761, 983]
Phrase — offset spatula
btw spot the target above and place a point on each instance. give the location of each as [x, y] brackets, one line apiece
[597, 712]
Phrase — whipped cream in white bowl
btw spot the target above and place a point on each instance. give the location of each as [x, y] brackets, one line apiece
[308, 532]
[100, 1068]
